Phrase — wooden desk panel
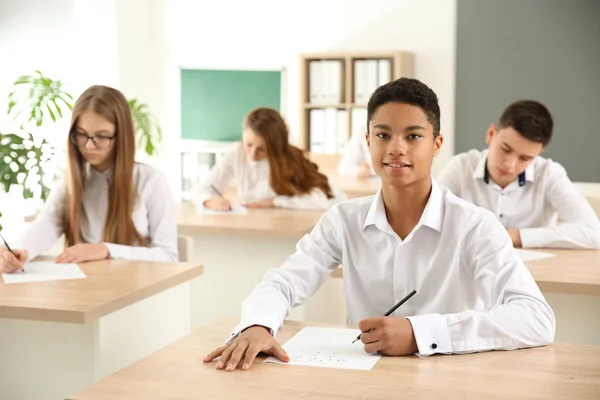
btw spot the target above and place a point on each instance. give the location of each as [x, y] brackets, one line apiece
[264, 222]
[110, 285]
[558, 371]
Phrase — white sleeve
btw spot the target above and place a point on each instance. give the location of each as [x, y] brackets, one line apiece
[48, 226]
[316, 199]
[162, 227]
[578, 228]
[519, 317]
[219, 176]
[452, 174]
[351, 159]
[317, 255]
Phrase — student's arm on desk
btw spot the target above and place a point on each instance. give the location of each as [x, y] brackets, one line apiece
[219, 176]
[48, 226]
[162, 227]
[352, 160]
[514, 312]
[578, 228]
[317, 255]
[313, 200]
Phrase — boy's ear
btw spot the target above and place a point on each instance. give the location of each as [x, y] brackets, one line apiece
[437, 144]
[491, 131]
[368, 139]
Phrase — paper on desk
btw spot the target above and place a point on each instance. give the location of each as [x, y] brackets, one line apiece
[41, 271]
[327, 347]
[529, 255]
[235, 209]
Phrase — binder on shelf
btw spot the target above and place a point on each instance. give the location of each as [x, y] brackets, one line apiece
[368, 76]
[384, 72]
[328, 130]
[325, 82]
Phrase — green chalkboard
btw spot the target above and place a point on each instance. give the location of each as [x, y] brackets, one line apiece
[215, 102]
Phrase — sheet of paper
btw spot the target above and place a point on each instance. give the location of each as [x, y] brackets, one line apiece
[529, 255]
[235, 209]
[40, 271]
[328, 347]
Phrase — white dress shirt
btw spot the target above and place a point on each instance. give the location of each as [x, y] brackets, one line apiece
[355, 153]
[532, 204]
[473, 291]
[253, 181]
[153, 216]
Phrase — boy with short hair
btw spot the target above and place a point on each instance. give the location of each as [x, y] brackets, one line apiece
[528, 193]
[473, 292]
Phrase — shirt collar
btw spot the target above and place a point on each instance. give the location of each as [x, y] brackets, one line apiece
[95, 174]
[433, 214]
[481, 171]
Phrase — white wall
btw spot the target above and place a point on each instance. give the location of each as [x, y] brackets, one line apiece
[270, 34]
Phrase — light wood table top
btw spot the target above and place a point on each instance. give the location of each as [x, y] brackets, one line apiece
[558, 371]
[571, 271]
[355, 187]
[269, 222]
[110, 285]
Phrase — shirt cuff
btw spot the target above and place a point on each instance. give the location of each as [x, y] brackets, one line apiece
[116, 250]
[532, 237]
[280, 201]
[267, 321]
[431, 334]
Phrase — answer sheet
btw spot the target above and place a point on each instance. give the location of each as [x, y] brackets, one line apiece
[40, 271]
[235, 209]
[327, 347]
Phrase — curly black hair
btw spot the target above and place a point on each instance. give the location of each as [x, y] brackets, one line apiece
[409, 91]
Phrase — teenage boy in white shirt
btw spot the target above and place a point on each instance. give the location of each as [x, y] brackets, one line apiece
[532, 196]
[473, 292]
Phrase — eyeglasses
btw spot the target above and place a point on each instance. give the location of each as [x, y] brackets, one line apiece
[100, 142]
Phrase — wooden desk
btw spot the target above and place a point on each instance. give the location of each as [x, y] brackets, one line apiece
[355, 187]
[558, 371]
[570, 283]
[278, 223]
[237, 250]
[571, 271]
[61, 336]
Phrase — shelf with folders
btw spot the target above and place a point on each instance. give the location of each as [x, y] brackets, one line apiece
[334, 90]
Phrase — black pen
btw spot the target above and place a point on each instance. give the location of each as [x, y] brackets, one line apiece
[387, 314]
[218, 193]
[9, 249]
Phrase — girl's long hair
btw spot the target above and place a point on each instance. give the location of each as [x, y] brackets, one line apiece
[119, 228]
[291, 172]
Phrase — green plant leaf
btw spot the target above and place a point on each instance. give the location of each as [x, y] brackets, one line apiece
[52, 116]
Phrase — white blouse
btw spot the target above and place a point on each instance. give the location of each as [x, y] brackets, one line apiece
[253, 183]
[153, 217]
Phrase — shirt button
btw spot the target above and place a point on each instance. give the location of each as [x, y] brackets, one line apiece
[501, 215]
[434, 346]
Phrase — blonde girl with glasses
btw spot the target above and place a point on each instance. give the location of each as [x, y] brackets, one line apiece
[106, 205]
